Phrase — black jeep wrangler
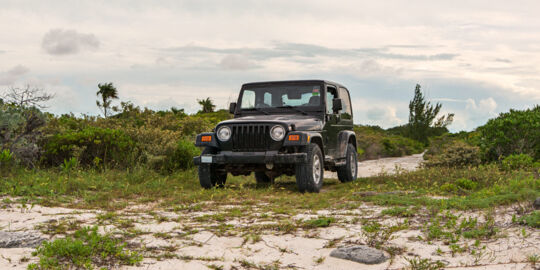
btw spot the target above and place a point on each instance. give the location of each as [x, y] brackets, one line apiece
[284, 127]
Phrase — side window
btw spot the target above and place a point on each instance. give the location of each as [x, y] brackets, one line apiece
[344, 95]
[330, 95]
[248, 99]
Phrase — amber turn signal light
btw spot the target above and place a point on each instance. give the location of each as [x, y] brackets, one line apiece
[206, 138]
[294, 137]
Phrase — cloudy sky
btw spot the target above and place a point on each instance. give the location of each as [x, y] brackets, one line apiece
[478, 58]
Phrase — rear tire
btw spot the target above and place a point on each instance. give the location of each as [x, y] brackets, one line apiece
[208, 174]
[310, 174]
[262, 178]
[349, 172]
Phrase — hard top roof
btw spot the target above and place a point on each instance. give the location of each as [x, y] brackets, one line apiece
[294, 81]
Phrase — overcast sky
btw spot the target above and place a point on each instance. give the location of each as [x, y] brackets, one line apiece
[478, 58]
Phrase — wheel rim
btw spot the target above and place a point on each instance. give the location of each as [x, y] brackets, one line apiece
[316, 169]
[354, 164]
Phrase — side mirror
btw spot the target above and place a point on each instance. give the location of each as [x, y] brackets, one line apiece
[232, 107]
[337, 105]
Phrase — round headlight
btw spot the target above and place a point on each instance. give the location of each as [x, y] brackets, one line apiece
[224, 133]
[277, 133]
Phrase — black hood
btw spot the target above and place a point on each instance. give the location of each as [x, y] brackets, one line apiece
[301, 122]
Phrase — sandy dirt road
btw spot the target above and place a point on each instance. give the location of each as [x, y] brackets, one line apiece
[183, 240]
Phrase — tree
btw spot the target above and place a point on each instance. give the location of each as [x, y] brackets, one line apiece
[422, 116]
[27, 96]
[108, 92]
[207, 105]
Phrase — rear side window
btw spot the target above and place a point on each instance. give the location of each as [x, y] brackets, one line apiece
[344, 95]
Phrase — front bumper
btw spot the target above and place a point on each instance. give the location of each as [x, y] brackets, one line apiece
[268, 157]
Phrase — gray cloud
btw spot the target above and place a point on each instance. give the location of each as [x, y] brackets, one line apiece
[63, 42]
[10, 76]
[309, 50]
[234, 61]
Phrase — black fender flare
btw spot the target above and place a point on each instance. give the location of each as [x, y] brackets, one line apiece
[305, 138]
[343, 140]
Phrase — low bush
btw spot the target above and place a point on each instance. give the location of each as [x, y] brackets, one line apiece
[91, 146]
[514, 132]
[454, 153]
[516, 162]
[182, 157]
[374, 142]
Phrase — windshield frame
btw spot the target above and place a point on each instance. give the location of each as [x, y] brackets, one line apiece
[281, 110]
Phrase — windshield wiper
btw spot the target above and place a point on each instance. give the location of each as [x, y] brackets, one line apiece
[257, 109]
[294, 108]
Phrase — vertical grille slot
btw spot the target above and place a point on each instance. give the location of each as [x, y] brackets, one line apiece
[250, 137]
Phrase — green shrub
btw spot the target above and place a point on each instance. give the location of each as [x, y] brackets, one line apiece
[466, 184]
[182, 157]
[449, 188]
[113, 147]
[517, 162]
[514, 132]
[6, 158]
[455, 153]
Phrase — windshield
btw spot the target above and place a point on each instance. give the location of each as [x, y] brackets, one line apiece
[279, 96]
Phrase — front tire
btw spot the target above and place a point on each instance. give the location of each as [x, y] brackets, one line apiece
[349, 172]
[310, 174]
[209, 176]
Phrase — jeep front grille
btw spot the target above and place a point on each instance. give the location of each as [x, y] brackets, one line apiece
[250, 137]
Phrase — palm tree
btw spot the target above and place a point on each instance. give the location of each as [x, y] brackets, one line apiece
[108, 92]
[207, 105]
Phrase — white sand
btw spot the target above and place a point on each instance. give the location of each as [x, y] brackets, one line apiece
[509, 251]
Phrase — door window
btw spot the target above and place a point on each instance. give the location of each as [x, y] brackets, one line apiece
[330, 95]
[344, 95]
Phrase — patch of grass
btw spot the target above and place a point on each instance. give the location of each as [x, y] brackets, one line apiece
[533, 259]
[86, 248]
[531, 220]
[398, 212]
[377, 235]
[319, 222]
[319, 260]
[417, 263]
[113, 189]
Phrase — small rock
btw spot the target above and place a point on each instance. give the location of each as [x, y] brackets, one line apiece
[366, 193]
[19, 239]
[536, 203]
[361, 254]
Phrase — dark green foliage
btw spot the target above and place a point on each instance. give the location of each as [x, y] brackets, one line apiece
[514, 132]
[91, 146]
[20, 130]
[86, 249]
[422, 116]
